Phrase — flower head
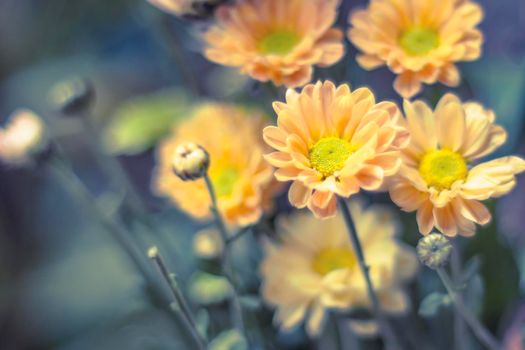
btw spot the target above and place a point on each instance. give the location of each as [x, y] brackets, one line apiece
[332, 141]
[190, 162]
[308, 274]
[438, 178]
[419, 40]
[276, 40]
[242, 179]
[434, 250]
[23, 137]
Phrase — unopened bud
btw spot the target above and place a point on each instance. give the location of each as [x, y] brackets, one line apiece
[153, 252]
[207, 244]
[434, 250]
[73, 96]
[190, 162]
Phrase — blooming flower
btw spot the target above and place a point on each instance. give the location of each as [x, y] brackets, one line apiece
[308, 274]
[242, 179]
[276, 40]
[419, 40]
[437, 178]
[23, 136]
[332, 141]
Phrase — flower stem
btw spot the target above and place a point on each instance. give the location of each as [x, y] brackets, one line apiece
[225, 259]
[390, 339]
[479, 330]
[179, 298]
[460, 340]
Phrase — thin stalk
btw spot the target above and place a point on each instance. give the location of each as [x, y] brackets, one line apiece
[225, 259]
[178, 297]
[389, 337]
[460, 341]
[479, 330]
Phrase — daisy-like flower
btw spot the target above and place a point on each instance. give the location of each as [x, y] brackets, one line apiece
[242, 179]
[438, 178]
[23, 137]
[332, 141]
[276, 40]
[419, 40]
[305, 275]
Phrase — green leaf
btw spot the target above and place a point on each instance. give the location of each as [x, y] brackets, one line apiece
[141, 121]
[229, 340]
[432, 303]
[205, 288]
[203, 322]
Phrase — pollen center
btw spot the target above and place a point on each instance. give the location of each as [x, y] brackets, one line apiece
[330, 259]
[278, 42]
[419, 41]
[441, 168]
[329, 154]
[224, 181]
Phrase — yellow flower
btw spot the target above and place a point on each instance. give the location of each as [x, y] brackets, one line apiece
[331, 141]
[437, 177]
[242, 179]
[276, 40]
[23, 136]
[419, 40]
[315, 268]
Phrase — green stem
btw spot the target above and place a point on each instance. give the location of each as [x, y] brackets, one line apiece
[225, 259]
[460, 340]
[479, 330]
[389, 337]
[179, 298]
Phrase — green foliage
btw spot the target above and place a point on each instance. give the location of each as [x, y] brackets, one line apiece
[141, 121]
[229, 340]
[205, 288]
[431, 304]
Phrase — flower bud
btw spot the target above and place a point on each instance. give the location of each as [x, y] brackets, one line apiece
[434, 250]
[73, 96]
[207, 244]
[190, 162]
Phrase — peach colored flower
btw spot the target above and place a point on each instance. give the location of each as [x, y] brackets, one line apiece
[276, 40]
[315, 268]
[438, 178]
[242, 179]
[331, 141]
[419, 40]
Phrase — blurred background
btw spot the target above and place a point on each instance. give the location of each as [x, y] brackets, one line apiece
[65, 283]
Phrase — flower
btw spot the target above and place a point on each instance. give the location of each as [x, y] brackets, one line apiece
[419, 40]
[242, 179]
[23, 137]
[190, 162]
[332, 141]
[315, 268]
[276, 40]
[199, 8]
[434, 250]
[437, 177]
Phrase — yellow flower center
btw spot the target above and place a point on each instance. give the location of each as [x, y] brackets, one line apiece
[330, 259]
[418, 41]
[224, 181]
[329, 154]
[441, 168]
[278, 42]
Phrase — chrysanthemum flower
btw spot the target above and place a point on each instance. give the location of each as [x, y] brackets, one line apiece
[23, 136]
[276, 40]
[332, 141]
[419, 40]
[438, 178]
[308, 274]
[242, 179]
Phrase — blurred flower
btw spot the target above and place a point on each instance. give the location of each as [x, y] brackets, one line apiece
[436, 178]
[315, 267]
[276, 40]
[207, 244]
[242, 180]
[418, 40]
[199, 8]
[434, 250]
[23, 137]
[331, 141]
[190, 162]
